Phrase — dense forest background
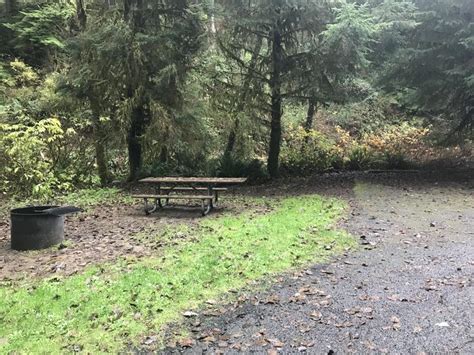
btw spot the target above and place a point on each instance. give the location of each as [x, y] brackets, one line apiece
[99, 91]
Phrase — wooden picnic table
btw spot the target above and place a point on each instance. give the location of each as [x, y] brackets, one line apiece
[210, 185]
[194, 180]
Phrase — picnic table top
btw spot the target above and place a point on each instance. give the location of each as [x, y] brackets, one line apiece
[197, 180]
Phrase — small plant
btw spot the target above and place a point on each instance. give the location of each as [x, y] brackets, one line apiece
[359, 158]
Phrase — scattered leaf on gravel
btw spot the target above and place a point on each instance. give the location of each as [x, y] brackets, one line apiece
[395, 323]
[186, 342]
[343, 325]
[273, 299]
[276, 343]
[297, 297]
[316, 315]
[150, 340]
[209, 339]
[189, 314]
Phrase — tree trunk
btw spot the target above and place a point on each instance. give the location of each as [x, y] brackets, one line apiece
[11, 7]
[164, 148]
[135, 132]
[242, 99]
[212, 6]
[81, 14]
[229, 148]
[133, 13]
[100, 137]
[275, 83]
[312, 108]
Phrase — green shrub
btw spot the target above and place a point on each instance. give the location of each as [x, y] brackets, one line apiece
[360, 158]
[305, 152]
[28, 159]
[230, 166]
[397, 160]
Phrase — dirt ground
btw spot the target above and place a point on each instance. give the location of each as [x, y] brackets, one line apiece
[407, 290]
[100, 234]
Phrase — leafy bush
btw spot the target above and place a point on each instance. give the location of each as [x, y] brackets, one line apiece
[393, 146]
[304, 152]
[229, 166]
[398, 144]
[28, 158]
[367, 116]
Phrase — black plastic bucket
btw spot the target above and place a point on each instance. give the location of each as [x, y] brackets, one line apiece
[38, 227]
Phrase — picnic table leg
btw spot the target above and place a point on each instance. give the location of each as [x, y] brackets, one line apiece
[147, 209]
[159, 203]
[211, 192]
[206, 208]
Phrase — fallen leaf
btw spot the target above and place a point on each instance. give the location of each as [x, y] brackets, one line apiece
[396, 323]
[329, 272]
[209, 339]
[394, 298]
[273, 299]
[189, 314]
[261, 342]
[186, 342]
[316, 315]
[275, 342]
[343, 325]
[150, 340]
[297, 297]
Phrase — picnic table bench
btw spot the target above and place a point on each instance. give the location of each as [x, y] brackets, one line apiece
[205, 189]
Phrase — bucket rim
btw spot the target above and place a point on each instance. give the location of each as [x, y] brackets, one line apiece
[32, 211]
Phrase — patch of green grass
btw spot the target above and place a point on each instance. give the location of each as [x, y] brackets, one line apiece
[107, 308]
[92, 197]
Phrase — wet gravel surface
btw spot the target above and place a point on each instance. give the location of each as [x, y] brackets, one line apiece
[408, 289]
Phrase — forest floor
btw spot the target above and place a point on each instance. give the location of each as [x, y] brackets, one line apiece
[407, 288]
